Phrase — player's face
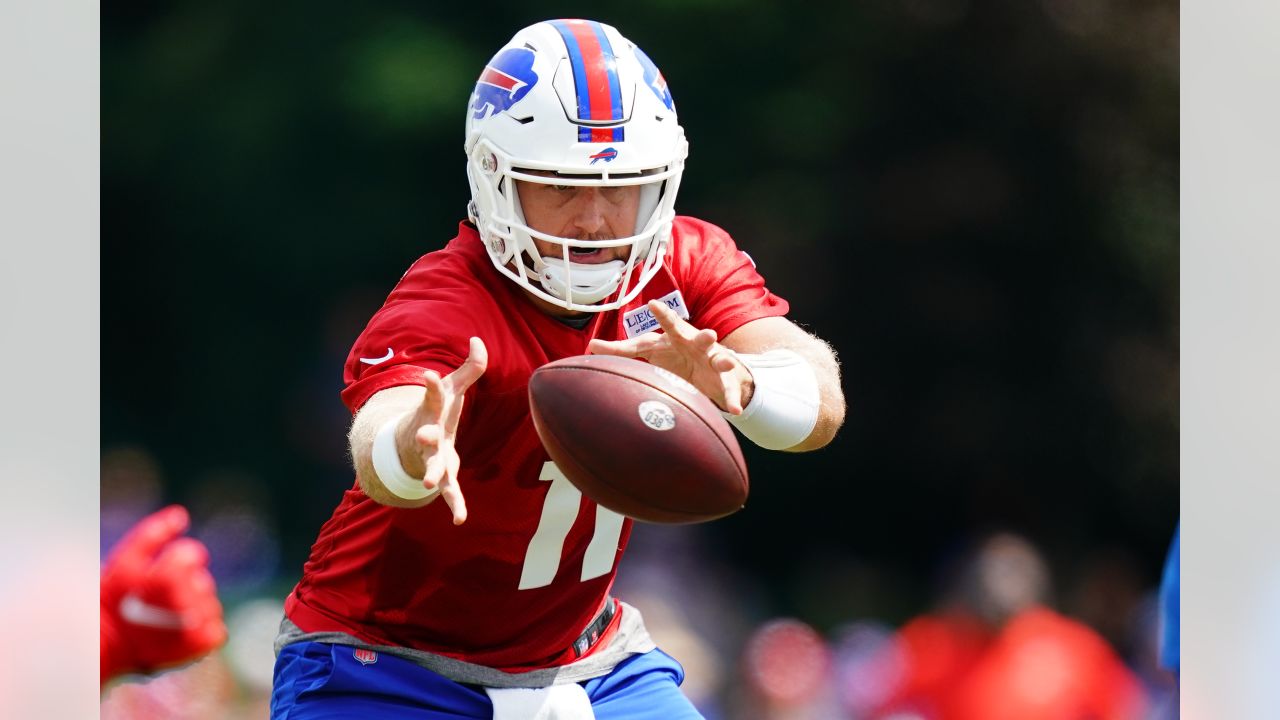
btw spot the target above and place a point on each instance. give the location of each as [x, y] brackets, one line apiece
[581, 213]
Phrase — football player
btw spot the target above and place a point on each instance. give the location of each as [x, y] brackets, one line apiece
[159, 606]
[462, 575]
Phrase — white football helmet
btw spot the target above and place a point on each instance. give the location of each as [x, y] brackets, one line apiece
[582, 105]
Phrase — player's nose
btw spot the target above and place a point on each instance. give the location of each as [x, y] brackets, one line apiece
[589, 213]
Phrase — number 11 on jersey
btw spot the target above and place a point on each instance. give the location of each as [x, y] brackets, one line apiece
[559, 511]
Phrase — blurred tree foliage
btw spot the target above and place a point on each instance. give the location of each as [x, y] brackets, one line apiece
[974, 202]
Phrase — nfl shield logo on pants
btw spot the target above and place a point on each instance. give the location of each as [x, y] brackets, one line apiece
[366, 657]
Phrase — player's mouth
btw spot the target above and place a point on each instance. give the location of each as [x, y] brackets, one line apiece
[590, 256]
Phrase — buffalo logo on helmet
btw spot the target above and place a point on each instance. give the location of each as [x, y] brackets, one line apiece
[653, 78]
[607, 155]
[507, 78]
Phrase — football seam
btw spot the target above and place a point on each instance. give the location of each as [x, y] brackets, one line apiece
[741, 475]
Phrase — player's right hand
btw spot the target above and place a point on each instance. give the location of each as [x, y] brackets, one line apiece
[159, 606]
[429, 433]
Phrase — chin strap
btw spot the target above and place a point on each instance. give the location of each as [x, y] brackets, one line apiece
[591, 283]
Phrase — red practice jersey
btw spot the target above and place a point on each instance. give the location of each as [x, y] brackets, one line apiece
[514, 586]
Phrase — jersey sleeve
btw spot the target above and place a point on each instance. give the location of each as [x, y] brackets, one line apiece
[720, 282]
[402, 340]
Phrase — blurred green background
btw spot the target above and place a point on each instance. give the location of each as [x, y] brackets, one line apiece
[975, 203]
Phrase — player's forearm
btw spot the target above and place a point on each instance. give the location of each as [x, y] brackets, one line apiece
[388, 405]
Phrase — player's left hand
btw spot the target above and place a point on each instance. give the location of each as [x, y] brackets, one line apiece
[693, 354]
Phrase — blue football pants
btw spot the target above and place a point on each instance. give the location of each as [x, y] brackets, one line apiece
[320, 681]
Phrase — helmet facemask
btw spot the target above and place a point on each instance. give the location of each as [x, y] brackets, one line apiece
[556, 278]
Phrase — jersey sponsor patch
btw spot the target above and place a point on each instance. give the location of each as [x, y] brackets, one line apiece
[641, 320]
[366, 657]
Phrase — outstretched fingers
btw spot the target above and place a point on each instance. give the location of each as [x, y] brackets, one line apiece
[638, 347]
[703, 340]
[723, 361]
[471, 369]
[433, 401]
[442, 474]
[701, 349]
[674, 325]
[447, 397]
[435, 443]
[732, 393]
[451, 491]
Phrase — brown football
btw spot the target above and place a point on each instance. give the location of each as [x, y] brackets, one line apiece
[637, 439]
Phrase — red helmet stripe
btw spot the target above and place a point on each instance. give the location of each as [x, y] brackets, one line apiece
[594, 69]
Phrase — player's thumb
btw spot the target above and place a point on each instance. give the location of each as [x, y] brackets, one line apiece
[472, 368]
[479, 353]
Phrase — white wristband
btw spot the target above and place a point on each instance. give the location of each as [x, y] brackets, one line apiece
[386, 462]
[784, 405]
